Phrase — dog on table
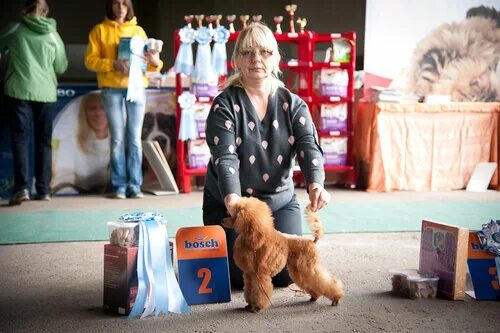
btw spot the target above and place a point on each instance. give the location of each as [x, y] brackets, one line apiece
[261, 252]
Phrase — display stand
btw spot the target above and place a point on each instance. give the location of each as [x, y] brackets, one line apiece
[306, 69]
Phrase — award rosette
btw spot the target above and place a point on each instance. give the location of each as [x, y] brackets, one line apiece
[187, 128]
[219, 54]
[158, 290]
[184, 60]
[204, 77]
[135, 90]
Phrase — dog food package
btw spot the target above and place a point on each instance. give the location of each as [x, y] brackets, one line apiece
[341, 50]
[333, 117]
[422, 286]
[411, 284]
[205, 89]
[335, 150]
[333, 82]
[201, 111]
[123, 234]
[199, 154]
[120, 278]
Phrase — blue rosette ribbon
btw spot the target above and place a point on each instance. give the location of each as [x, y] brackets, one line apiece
[203, 70]
[187, 127]
[184, 60]
[158, 290]
[135, 90]
[219, 54]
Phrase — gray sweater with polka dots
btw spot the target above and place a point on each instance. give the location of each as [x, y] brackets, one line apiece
[251, 157]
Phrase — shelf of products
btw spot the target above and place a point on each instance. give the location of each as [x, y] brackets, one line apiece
[330, 101]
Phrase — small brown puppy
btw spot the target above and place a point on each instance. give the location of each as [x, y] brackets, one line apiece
[261, 252]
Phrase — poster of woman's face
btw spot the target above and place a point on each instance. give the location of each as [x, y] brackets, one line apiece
[81, 141]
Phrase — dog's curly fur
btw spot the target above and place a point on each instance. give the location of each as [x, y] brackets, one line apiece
[261, 252]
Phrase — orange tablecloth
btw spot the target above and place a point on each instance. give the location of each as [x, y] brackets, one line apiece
[424, 147]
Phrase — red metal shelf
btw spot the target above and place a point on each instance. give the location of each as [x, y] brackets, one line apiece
[305, 67]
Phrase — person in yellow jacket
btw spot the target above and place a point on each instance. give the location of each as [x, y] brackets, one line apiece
[112, 77]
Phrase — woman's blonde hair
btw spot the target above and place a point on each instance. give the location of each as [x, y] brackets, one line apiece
[84, 132]
[256, 35]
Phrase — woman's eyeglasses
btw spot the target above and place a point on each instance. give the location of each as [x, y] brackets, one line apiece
[249, 54]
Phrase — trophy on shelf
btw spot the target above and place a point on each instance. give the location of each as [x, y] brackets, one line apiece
[210, 19]
[278, 20]
[217, 20]
[230, 19]
[199, 19]
[302, 23]
[244, 19]
[188, 19]
[291, 10]
[256, 18]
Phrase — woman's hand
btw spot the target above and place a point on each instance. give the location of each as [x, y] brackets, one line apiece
[230, 200]
[121, 66]
[318, 196]
[152, 58]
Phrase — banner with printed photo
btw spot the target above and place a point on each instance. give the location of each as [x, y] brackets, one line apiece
[447, 47]
[81, 141]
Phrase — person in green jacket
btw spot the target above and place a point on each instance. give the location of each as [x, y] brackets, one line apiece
[36, 56]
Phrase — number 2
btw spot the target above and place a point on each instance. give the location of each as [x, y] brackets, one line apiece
[206, 274]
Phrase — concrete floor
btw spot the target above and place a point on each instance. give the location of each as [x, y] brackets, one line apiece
[57, 287]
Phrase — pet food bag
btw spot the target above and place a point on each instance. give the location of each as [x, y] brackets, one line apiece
[335, 150]
[341, 50]
[333, 82]
[199, 154]
[333, 117]
[123, 234]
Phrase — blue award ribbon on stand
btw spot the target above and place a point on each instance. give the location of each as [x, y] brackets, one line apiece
[184, 60]
[158, 290]
[203, 70]
[135, 90]
[187, 127]
[219, 54]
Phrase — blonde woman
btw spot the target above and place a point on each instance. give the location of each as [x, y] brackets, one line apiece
[255, 129]
[82, 163]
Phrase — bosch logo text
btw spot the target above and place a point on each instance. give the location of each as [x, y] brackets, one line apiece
[201, 243]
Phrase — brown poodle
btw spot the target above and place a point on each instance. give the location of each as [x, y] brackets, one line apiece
[261, 252]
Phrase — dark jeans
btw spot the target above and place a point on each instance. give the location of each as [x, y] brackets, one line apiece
[22, 115]
[287, 219]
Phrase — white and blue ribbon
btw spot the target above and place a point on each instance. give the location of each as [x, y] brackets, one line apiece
[158, 290]
[135, 89]
[203, 70]
[219, 54]
[489, 237]
[184, 60]
[187, 127]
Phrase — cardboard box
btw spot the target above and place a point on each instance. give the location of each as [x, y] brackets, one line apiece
[120, 278]
[443, 253]
[482, 270]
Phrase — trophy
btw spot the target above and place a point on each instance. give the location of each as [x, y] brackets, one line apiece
[244, 19]
[199, 18]
[291, 10]
[217, 20]
[256, 18]
[302, 23]
[278, 20]
[210, 19]
[230, 19]
[188, 19]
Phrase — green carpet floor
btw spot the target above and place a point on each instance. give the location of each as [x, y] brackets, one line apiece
[64, 226]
